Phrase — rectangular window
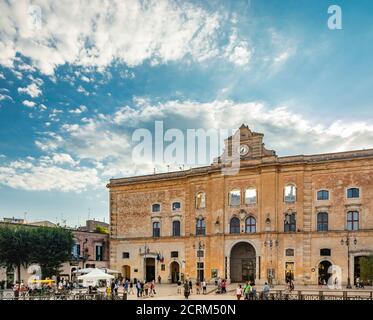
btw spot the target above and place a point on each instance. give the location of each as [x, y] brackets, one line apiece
[353, 193]
[322, 221]
[323, 195]
[290, 194]
[290, 223]
[163, 267]
[125, 255]
[352, 220]
[250, 196]
[76, 250]
[176, 228]
[200, 253]
[289, 252]
[174, 254]
[325, 252]
[99, 252]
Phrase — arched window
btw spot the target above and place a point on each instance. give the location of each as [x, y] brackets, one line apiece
[156, 229]
[176, 206]
[290, 222]
[200, 227]
[323, 195]
[322, 221]
[290, 193]
[352, 220]
[176, 228]
[250, 196]
[250, 225]
[156, 207]
[200, 200]
[353, 193]
[235, 197]
[234, 225]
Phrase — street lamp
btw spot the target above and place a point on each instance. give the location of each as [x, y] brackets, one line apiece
[347, 242]
[146, 250]
[270, 243]
[200, 247]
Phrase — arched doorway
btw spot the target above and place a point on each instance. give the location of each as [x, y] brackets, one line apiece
[126, 272]
[242, 262]
[175, 271]
[323, 271]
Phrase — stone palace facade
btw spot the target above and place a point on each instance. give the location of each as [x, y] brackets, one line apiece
[303, 217]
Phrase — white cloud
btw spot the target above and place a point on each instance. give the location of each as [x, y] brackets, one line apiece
[5, 97]
[29, 103]
[238, 51]
[283, 49]
[94, 140]
[96, 33]
[63, 158]
[82, 90]
[103, 143]
[36, 177]
[32, 90]
[79, 110]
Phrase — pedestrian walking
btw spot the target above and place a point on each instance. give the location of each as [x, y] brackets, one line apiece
[239, 292]
[198, 287]
[190, 286]
[131, 288]
[266, 291]
[138, 289]
[204, 287]
[246, 290]
[186, 289]
[179, 287]
[223, 286]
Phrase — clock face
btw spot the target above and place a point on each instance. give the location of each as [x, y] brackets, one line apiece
[244, 149]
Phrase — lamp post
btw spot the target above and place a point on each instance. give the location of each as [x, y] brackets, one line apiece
[270, 243]
[200, 247]
[347, 242]
[146, 250]
[85, 254]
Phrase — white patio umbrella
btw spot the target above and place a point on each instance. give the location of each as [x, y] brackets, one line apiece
[91, 278]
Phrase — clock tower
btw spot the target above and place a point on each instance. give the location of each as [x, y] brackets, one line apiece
[246, 144]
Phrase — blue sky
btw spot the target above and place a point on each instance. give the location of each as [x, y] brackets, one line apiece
[77, 81]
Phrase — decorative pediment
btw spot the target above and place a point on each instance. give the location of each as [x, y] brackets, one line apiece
[246, 145]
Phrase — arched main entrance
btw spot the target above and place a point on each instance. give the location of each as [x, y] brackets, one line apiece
[126, 272]
[242, 262]
[323, 271]
[175, 271]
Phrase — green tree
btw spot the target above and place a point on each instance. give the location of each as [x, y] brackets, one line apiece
[51, 248]
[15, 247]
[100, 229]
[366, 269]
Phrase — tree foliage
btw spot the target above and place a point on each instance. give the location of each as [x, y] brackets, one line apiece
[23, 245]
[52, 247]
[15, 247]
[101, 229]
